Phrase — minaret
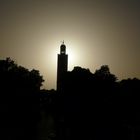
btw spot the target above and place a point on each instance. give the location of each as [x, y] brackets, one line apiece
[62, 65]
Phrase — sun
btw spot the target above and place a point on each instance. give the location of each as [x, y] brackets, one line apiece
[52, 56]
[49, 59]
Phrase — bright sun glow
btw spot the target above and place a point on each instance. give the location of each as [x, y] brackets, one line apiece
[71, 51]
[73, 58]
[50, 56]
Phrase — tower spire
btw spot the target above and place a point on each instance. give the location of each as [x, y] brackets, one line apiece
[63, 48]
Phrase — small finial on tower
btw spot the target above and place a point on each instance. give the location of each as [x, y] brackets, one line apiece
[62, 42]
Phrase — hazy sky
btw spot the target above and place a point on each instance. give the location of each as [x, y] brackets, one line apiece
[96, 32]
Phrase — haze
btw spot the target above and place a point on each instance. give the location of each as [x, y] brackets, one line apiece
[95, 33]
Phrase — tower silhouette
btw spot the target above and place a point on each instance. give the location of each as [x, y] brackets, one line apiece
[62, 65]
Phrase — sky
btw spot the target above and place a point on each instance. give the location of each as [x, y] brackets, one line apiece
[96, 33]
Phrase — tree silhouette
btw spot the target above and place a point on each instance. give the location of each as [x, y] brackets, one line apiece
[97, 106]
[90, 105]
[19, 101]
[104, 74]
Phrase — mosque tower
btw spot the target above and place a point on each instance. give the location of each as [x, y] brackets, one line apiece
[62, 65]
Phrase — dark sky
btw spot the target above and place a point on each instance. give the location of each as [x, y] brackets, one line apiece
[96, 32]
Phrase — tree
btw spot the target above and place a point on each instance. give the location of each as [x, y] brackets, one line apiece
[19, 99]
[104, 74]
[15, 76]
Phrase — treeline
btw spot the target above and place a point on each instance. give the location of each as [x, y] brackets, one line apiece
[91, 106]
[97, 106]
[19, 101]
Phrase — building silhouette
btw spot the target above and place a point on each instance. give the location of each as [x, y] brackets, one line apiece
[62, 66]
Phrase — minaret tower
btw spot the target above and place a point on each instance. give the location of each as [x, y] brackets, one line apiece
[62, 65]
